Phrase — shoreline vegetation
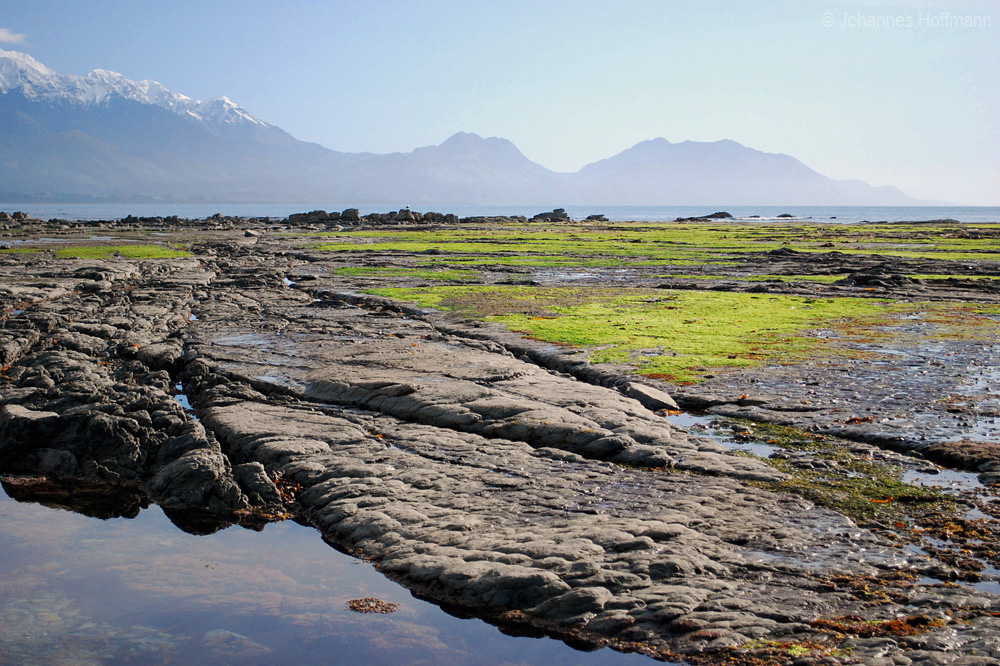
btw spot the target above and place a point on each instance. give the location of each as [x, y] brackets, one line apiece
[706, 440]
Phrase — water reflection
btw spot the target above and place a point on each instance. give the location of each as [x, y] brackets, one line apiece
[84, 591]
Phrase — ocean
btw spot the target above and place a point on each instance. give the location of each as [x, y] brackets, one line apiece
[831, 214]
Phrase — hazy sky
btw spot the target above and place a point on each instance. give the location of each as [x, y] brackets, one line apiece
[890, 92]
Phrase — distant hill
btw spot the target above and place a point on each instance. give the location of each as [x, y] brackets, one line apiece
[658, 172]
[466, 168]
[105, 137]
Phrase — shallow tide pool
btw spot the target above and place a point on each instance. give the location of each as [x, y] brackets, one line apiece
[85, 591]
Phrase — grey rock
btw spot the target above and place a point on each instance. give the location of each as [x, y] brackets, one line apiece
[199, 479]
[57, 463]
[651, 398]
[257, 485]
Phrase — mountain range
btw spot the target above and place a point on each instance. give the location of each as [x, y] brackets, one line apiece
[104, 137]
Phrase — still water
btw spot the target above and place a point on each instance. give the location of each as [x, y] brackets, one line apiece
[87, 592]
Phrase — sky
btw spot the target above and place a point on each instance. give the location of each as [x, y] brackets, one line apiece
[893, 92]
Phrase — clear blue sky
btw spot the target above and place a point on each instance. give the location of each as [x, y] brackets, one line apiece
[570, 82]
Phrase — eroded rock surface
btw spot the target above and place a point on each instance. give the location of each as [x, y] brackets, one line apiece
[467, 467]
[88, 392]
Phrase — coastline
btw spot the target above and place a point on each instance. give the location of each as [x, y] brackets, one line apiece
[279, 211]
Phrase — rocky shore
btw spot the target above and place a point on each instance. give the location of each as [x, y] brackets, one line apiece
[250, 381]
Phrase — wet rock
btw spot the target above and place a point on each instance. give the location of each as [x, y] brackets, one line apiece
[989, 478]
[576, 602]
[372, 605]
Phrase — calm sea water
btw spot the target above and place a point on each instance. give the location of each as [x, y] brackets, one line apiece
[79, 590]
[833, 214]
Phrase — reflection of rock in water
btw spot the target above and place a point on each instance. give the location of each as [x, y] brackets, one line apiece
[90, 498]
[199, 523]
[106, 500]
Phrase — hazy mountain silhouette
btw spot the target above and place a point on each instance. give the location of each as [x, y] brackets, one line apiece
[658, 172]
[103, 136]
[466, 168]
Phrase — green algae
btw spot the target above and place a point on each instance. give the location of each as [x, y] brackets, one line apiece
[785, 648]
[20, 250]
[874, 493]
[676, 335]
[862, 489]
[671, 335]
[127, 251]
[673, 242]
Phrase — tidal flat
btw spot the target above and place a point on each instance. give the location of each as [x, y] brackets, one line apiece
[701, 442]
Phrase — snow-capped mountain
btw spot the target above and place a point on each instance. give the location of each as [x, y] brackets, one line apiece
[103, 136]
[21, 72]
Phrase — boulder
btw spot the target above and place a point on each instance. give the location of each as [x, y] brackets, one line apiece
[20, 425]
[199, 479]
[258, 486]
[162, 355]
[651, 398]
[557, 215]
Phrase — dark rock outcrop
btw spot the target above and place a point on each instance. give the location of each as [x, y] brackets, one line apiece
[556, 215]
[721, 215]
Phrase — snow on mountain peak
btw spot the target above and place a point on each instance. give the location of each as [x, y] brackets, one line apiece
[19, 71]
[12, 62]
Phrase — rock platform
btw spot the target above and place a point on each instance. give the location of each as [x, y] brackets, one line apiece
[478, 469]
